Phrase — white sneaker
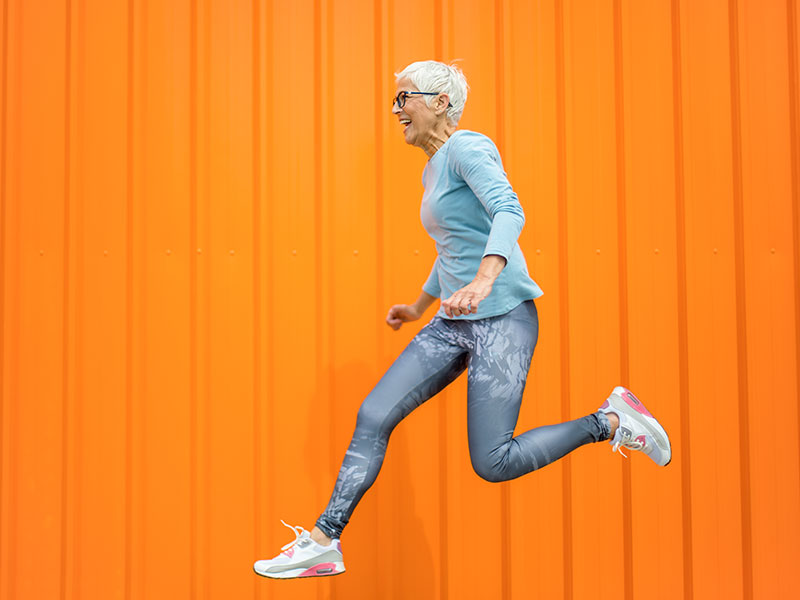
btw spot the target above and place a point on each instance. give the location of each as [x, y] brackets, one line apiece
[303, 558]
[638, 429]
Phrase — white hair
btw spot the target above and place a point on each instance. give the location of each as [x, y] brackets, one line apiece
[434, 76]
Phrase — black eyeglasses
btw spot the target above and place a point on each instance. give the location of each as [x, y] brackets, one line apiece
[401, 98]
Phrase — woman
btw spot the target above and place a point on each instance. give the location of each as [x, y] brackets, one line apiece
[487, 322]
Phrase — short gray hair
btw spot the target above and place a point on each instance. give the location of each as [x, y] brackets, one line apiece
[434, 76]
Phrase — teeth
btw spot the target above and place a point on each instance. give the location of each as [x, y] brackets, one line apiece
[405, 121]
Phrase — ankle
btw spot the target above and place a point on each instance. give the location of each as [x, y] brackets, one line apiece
[319, 537]
[613, 421]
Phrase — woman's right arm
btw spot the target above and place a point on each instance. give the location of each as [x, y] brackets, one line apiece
[403, 313]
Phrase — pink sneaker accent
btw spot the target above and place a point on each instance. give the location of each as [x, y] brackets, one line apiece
[643, 440]
[634, 403]
[289, 552]
[320, 569]
[605, 405]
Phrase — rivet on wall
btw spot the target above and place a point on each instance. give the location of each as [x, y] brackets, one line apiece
[232, 252]
[294, 252]
[169, 251]
[597, 251]
[656, 250]
[199, 250]
[416, 252]
[355, 252]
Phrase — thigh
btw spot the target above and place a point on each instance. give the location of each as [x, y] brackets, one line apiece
[498, 369]
[430, 362]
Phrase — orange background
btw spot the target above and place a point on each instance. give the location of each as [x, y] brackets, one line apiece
[207, 209]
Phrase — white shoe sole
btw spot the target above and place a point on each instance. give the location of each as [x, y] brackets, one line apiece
[321, 570]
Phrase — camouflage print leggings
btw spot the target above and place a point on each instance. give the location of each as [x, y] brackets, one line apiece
[497, 352]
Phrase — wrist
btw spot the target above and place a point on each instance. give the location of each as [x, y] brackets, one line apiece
[490, 268]
[417, 309]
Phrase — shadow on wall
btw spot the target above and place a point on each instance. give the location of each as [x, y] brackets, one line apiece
[408, 550]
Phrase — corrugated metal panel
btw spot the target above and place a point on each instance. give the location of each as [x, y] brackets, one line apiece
[207, 209]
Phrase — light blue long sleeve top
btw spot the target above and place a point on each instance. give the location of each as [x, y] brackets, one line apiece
[470, 211]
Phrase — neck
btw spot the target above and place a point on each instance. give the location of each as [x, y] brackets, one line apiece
[437, 138]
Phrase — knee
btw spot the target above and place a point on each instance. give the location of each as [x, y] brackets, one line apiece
[488, 471]
[371, 419]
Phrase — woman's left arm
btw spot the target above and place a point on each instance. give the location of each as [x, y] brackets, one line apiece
[474, 161]
[466, 300]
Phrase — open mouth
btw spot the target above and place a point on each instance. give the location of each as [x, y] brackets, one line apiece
[405, 123]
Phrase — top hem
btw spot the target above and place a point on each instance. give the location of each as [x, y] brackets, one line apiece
[476, 316]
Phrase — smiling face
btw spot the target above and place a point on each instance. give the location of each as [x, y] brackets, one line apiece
[419, 120]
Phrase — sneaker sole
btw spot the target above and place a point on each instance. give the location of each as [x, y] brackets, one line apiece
[636, 410]
[328, 569]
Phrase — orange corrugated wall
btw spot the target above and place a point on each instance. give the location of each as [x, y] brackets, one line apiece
[207, 209]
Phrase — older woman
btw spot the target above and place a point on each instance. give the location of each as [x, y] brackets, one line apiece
[487, 323]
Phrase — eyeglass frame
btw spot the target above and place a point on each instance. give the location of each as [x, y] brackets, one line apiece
[405, 94]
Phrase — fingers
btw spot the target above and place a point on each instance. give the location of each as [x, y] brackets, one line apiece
[395, 324]
[392, 319]
[461, 303]
[466, 300]
[399, 314]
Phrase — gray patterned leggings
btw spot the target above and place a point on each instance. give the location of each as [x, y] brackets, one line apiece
[498, 352]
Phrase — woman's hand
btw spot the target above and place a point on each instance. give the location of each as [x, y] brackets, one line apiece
[402, 313]
[467, 299]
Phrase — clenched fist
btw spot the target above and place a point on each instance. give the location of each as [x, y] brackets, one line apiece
[402, 313]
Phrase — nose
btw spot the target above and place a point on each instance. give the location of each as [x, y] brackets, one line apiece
[395, 109]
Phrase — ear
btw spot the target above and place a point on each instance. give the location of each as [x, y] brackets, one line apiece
[442, 101]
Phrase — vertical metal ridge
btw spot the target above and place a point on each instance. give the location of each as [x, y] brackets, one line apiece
[138, 296]
[323, 373]
[563, 283]
[499, 73]
[318, 253]
[741, 304]
[193, 310]
[269, 299]
[13, 470]
[500, 98]
[257, 283]
[683, 303]
[377, 41]
[74, 391]
[66, 451]
[317, 153]
[129, 299]
[451, 27]
[204, 399]
[437, 29]
[328, 233]
[622, 269]
[794, 132]
[3, 239]
[444, 528]
[379, 197]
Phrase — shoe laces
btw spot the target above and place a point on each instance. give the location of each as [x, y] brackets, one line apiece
[626, 441]
[298, 532]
